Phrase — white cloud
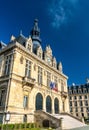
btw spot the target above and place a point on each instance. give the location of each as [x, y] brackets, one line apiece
[61, 10]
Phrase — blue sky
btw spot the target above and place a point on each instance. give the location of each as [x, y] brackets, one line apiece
[64, 24]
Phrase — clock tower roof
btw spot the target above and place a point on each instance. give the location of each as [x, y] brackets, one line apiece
[35, 32]
[35, 35]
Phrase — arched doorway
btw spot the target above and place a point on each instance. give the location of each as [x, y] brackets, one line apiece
[48, 104]
[56, 105]
[39, 102]
[45, 123]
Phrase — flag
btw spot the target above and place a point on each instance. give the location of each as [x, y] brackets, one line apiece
[53, 86]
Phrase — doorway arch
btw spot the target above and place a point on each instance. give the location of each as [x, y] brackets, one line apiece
[45, 123]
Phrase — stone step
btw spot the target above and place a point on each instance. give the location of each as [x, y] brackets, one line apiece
[69, 122]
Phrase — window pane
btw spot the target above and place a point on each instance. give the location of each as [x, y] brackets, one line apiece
[2, 97]
[40, 75]
[7, 65]
[25, 102]
[28, 69]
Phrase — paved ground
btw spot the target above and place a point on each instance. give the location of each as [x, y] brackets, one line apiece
[81, 128]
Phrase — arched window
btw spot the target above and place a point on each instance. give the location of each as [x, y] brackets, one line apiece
[39, 102]
[56, 105]
[48, 104]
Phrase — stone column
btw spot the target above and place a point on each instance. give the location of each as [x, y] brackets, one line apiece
[44, 103]
[53, 106]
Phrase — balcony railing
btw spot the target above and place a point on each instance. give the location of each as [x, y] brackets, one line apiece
[28, 81]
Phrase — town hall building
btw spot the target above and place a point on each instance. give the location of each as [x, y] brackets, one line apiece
[31, 79]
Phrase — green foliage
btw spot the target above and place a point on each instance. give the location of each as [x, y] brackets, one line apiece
[19, 126]
[32, 125]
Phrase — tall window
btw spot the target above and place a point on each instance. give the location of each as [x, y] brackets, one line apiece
[76, 109]
[25, 101]
[70, 103]
[39, 102]
[71, 110]
[86, 103]
[81, 109]
[39, 75]
[81, 104]
[80, 97]
[56, 105]
[48, 104]
[28, 69]
[7, 65]
[85, 96]
[48, 79]
[75, 103]
[2, 97]
[75, 98]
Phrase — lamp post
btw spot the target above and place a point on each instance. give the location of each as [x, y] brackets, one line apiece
[7, 118]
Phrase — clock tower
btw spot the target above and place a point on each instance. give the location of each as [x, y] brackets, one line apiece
[48, 55]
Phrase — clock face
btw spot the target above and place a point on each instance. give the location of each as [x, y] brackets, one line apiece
[48, 60]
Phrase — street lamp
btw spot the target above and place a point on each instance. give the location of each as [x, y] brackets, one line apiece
[7, 118]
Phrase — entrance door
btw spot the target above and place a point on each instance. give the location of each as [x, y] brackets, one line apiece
[45, 123]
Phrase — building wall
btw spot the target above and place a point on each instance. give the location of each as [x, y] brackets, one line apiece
[79, 100]
[18, 86]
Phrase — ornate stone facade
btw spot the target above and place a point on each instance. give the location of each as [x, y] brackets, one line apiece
[26, 72]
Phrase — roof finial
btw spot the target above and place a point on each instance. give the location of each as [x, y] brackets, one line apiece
[20, 32]
[36, 20]
[35, 33]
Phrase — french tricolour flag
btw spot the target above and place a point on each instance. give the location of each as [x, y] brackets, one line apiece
[53, 86]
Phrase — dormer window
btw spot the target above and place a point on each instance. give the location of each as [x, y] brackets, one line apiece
[39, 52]
[29, 47]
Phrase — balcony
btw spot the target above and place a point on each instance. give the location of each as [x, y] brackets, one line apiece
[64, 94]
[28, 81]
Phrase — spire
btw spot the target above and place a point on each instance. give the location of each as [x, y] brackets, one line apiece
[35, 33]
[60, 67]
